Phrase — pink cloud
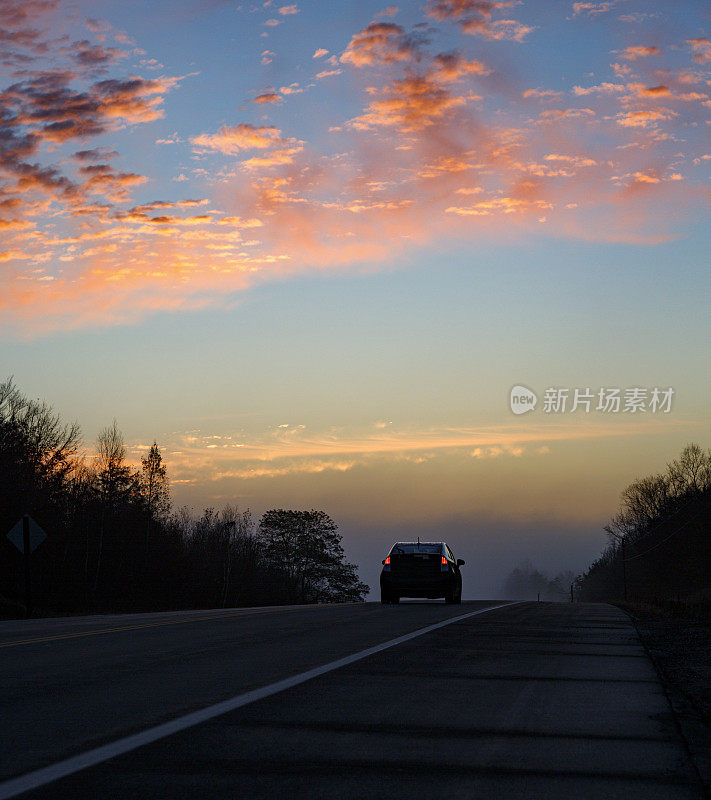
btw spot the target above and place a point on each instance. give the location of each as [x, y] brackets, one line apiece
[541, 94]
[475, 17]
[639, 51]
[592, 9]
[702, 49]
[327, 73]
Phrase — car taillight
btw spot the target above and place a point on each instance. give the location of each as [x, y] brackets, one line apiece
[387, 561]
[444, 561]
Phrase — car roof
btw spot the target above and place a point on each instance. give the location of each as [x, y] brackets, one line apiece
[427, 543]
[419, 544]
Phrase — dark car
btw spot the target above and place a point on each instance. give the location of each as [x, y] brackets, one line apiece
[421, 569]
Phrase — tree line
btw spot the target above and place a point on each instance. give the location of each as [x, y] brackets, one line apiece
[659, 542]
[115, 543]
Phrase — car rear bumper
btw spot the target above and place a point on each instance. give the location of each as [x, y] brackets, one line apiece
[437, 586]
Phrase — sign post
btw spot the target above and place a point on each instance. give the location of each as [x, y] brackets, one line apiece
[27, 535]
[28, 556]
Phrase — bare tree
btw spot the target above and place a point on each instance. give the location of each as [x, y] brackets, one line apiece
[34, 438]
[658, 541]
[691, 472]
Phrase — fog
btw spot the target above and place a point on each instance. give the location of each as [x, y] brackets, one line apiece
[490, 547]
[494, 513]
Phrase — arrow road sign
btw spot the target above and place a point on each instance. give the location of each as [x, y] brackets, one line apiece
[37, 536]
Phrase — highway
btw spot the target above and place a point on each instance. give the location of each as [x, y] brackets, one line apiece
[527, 700]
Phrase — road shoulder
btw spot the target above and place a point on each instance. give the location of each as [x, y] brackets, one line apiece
[680, 650]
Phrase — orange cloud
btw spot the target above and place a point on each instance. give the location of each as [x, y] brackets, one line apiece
[276, 157]
[418, 100]
[578, 161]
[450, 67]
[289, 451]
[428, 159]
[244, 136]
[382, 42]
[603, 88]
[507, 205]
[643, 118]
[268, 98]
[409, 104]
[101, 179]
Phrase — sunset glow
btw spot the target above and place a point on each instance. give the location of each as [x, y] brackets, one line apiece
[310, 248]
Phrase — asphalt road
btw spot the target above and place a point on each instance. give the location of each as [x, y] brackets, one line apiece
[525, 701]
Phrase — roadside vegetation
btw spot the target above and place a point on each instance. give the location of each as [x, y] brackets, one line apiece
[659, 543]
[116, 544]
[657, 566]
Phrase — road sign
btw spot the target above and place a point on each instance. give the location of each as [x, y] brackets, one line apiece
[37, 535]
[27, 536]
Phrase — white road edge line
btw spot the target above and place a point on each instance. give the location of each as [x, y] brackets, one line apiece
[45, 775]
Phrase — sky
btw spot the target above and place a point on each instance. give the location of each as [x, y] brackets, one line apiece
[311, 248]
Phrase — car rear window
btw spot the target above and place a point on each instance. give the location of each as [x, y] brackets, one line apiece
[414, 547]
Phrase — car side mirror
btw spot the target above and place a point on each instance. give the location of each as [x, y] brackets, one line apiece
[461, 562]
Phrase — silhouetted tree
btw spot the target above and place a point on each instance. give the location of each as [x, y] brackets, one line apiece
[153, 480]
[658, 541]
[114, 481]
[113, 543]
[305, 547]
[37, 453]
